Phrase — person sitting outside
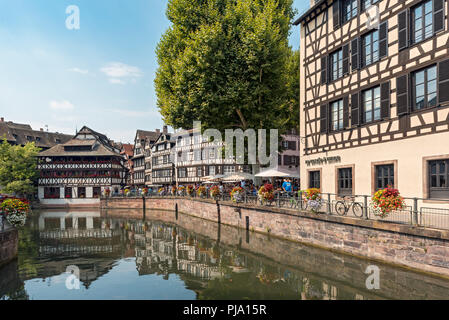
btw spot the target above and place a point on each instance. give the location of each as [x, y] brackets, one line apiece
[287, 186]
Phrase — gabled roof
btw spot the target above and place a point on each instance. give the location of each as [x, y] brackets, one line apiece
[101, 146]
[21, 134]
[146, 135]
[308, 12]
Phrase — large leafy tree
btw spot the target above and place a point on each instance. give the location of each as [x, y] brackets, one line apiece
[18, 168]
[227, 63]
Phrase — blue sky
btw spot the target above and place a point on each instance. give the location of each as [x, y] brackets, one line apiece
[101, 75]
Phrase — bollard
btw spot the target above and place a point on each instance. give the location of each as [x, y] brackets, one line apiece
[278, 200]
[415, 211]
[365, 209]
[329, 209]
[144, 207]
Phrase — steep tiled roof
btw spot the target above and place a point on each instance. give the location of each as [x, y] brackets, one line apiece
[21, 134]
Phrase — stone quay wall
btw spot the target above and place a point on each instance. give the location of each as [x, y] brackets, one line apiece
[417, 248]
[9, 241]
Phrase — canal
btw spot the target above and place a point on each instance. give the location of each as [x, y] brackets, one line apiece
[118, 255]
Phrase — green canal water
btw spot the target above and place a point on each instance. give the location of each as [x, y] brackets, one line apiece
[168, 256]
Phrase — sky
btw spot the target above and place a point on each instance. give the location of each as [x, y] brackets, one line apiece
[100, 74]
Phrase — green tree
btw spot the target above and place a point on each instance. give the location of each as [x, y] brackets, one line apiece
[226, 63]
[18, 168]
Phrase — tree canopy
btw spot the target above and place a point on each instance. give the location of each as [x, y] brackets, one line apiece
[228, 64]
[18, 168]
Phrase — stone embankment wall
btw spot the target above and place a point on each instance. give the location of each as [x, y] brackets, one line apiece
[414, 247]
[9, 240]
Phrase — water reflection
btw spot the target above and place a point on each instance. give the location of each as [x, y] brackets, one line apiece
[170, 257]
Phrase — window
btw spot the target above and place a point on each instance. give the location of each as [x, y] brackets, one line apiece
[422, 21]
[424, 84]
[384, 176]
[371, 104]
[68, 192]
[199, 172]
[191, 172]
[314, 179]
[345, 181]
[182, 172]
[337, 115]
[81, 192]
[212, 170]
[51, 193]
[97, 191]
[229, 169]
[349, 10]
[367, 3]
[439, 179]
[370, 48]
[336, 65]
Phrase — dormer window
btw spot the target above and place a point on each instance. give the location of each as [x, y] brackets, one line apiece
[29, 138]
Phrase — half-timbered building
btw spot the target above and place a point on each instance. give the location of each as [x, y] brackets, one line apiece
[162, 166]
[77, 172]
[197, 158]
[375, 97]
[142, 139]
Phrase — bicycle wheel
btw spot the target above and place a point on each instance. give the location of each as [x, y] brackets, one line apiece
[340, 208]
[357, 209]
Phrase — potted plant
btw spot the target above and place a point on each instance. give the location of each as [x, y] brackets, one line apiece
[313, 199]
[181, 190]
[385, 201]
[145, 191]
[237, 194]
[190, 190]
[266, 193]
[201, 192]
[214, 192]
[161, 191]
[15, 211]
[173, 190]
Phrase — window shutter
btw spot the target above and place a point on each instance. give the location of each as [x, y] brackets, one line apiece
[323, 118]
[336, 14]
[280, 160]
[402, 95]
[346, 112]
[324, 70]
[383, 40]
[438, 15]
[362, 55]
[355, 54]
[355, 114]
[403, 29]
[346, 59]
[286, 160]
[385, 100]
[443, 82]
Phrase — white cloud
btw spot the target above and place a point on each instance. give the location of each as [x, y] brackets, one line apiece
[61, 105]
[78, 70]
[117, 72]
[116, 81]
[121, 70]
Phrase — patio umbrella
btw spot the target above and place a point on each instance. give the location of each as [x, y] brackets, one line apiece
[271, 173]
[238, 176]
[217, 177]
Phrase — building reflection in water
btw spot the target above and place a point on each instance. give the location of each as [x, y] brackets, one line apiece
[212, 269]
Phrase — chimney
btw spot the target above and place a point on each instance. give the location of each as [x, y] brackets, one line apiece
[2, 119]
[165, 130]
[41, 129]
[158, 131]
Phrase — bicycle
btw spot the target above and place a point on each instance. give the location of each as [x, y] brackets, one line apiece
[342, 207]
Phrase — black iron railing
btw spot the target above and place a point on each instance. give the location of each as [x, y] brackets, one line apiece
[418, 211]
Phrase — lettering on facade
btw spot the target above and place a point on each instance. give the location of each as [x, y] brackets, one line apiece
[324, 160]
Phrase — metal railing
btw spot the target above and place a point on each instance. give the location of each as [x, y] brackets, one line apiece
[416, 213]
